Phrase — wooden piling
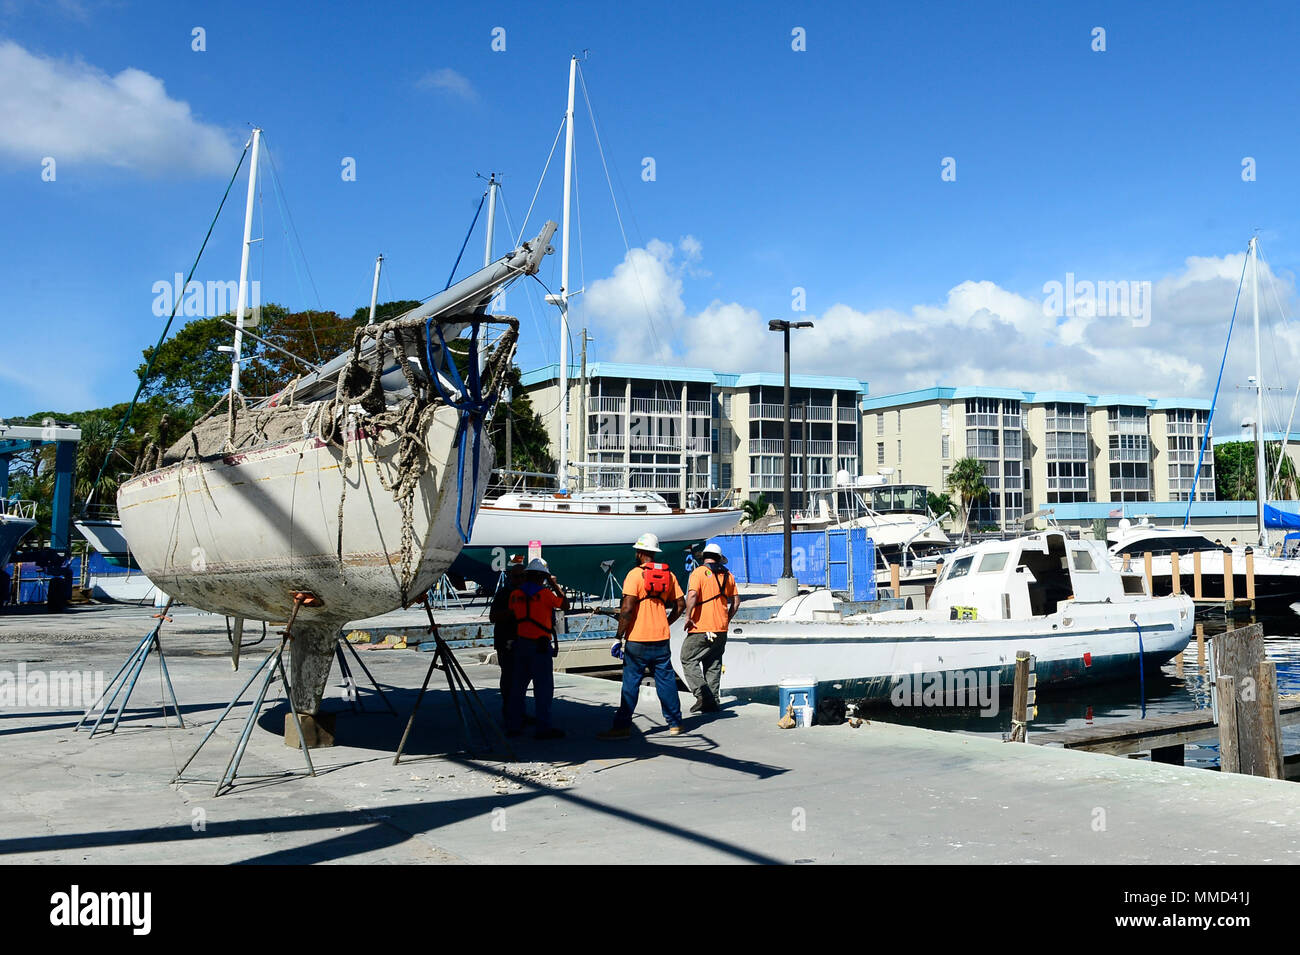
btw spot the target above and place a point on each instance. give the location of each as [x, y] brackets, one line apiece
[1269, 750]
[1228, 582]
[1020, 699]
[1200, 646]
[1146, 562]
[1250, 576]
[1229, 756]
[1177, 580]
[893, 578]
[1197, 594]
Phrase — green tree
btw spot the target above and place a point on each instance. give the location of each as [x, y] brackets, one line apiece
[1234, 472]
[967, 479]
[753, 510]
[530, 444]
[942, 506]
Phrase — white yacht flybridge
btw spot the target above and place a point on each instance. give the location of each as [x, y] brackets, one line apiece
[1083, 619]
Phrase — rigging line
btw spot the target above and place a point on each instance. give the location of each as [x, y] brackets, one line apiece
[153, 355]
[464, 244]
[665, 355]
[527, 215]
[1286, 432]
[282, 201]
[543, 342]
[1209, 422]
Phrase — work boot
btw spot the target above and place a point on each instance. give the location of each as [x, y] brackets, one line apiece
[677, 730]
[699, 701]
[615, 732]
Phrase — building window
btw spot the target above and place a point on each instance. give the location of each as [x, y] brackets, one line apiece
[880, 423]
[945, 415]
[726, 404]
[945, 451]
[900, 452]
[880, 452]
[899, 420]
[725, 482]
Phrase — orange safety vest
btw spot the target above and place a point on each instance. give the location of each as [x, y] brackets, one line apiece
[534, 619]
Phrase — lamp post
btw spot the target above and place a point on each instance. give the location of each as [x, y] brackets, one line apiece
[787, 587]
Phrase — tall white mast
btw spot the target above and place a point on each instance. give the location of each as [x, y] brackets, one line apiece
[562, 472]
[491, 220]
[1261, 483]
[242, 308]
[374, 288]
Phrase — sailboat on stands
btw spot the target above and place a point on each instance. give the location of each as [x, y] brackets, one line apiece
[354, 486]
[586, 536]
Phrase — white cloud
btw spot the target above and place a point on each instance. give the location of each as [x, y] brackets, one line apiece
[77, 113]
[978, 334]
[449, 81]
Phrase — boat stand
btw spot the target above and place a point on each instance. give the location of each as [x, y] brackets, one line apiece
[267, 669]
[463, 697]
[351, 692]
[126, 677]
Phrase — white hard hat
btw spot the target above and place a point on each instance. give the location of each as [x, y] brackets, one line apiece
[537, 566]
[713, 550]
[648, 543]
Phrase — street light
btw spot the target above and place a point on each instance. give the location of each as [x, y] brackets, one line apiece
[787, 587]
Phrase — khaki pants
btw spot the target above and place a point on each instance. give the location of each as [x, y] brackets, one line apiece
[702, 662]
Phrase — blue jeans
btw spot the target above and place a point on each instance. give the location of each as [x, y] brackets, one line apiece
[659, 658]
[532, 664]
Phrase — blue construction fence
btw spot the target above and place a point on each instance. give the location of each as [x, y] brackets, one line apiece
[34, 587]
[841, 560]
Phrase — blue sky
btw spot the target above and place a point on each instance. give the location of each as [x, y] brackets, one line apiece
[817, 169]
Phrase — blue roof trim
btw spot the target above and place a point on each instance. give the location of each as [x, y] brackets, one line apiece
[1128, 401]
[1059, 397]
[610, 369]
[907, 398]
[777, 379]
[1193, 404]
[1094, 510]
[987, 391]
[1219, 439]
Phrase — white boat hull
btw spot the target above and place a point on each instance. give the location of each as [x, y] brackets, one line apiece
[867, 656]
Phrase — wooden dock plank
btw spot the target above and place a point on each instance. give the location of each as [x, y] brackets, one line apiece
[1156, 732]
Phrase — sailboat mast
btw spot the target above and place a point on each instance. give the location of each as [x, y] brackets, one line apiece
[1260, 478]
[242, 307]
[562, 470]
[374, 288]
[491, 219]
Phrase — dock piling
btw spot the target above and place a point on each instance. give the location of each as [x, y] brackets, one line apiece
[1197, 593]
[1173, 570]
[1021, 697]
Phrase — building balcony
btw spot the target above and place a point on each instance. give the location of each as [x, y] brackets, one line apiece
[1126, 426]
[1130, 484]
[848, 415]
[847, 449]
[776, 482]
[606, 442]
[699, 409]
[776, 412]
[657, 406]
[599, 404]
[1140, 455]
[797, 448]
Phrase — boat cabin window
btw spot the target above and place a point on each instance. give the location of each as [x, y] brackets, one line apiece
[1164, 546]
[909, 498]
[602, 508]
[1083, 560]
[959, 567]
[993, 562]
[525, 506]
[640, 508]
[561, 507]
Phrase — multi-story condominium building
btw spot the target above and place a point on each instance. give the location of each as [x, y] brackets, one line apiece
[1041, 449]
[692, 434]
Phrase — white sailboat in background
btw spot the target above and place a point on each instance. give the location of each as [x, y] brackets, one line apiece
[585, 534]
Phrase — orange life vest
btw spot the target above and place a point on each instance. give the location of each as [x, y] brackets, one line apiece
[534, 619]
[658, 581]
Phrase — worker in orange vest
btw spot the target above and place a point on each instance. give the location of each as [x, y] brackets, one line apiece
[711, 602]
[505, 627]
[652, 600]
[533, 604]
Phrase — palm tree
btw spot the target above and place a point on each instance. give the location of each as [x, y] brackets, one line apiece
[967, 479]
[942, 506]
[754, 509]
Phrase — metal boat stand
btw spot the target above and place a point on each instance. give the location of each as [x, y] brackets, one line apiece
[273, 663]
[351, 692]
[469, 709]
[126, 677]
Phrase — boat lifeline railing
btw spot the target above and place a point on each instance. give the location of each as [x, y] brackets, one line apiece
[18, 510]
